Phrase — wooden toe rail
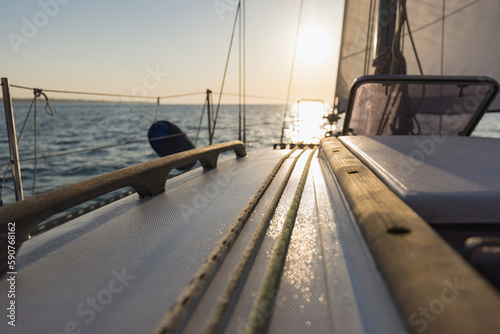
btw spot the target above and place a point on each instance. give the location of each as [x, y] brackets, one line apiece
[436, 290]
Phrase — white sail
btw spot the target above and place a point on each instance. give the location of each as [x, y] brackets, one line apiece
[469, 44]
[354, 47]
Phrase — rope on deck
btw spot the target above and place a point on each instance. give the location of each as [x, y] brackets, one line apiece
[228, 296]
[262, 308]
[177, 316]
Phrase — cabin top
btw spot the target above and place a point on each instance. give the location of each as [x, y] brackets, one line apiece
[423, 171]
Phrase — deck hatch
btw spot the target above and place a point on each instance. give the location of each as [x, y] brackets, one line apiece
[417, 105]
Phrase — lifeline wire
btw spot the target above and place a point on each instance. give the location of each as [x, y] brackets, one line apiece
[107, 94]
[121, 144]
[148, 97]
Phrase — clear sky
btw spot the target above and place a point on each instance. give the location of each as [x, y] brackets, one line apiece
[168, 47]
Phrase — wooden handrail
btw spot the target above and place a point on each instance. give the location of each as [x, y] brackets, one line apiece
[418, 266]
[147, 178]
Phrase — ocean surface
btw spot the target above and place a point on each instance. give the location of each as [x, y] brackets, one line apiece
[89, 126]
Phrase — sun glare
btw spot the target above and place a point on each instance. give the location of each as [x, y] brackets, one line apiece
[309, 127]
[313, 44]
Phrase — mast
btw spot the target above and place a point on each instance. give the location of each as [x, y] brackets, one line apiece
[367, 25]
[386, 27]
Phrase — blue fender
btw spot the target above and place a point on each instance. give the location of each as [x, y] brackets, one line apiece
[164, 145]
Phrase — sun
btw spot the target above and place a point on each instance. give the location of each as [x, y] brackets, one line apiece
[313, 45]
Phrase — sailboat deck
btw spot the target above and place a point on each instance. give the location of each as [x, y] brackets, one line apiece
[121, 267]
[156, 245]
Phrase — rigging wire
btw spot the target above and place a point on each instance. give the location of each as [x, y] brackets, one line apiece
[411, 38]
[404, 119]
[442, 67]
[356, 53]
[403, 40]
[398, 62]
[2, 186]
[35, 148]
[442, 37]
[368, 39]
[447, 16]
[239, 80]
[240, 13]
[244, 75]
[225, 69]
[291, 71]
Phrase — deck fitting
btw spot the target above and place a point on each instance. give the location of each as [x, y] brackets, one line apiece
[398, 230]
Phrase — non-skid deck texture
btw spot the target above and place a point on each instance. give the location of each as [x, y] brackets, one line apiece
[317, 291]
[158, 242]
[445, 179]
[245, 302]
[120, 268]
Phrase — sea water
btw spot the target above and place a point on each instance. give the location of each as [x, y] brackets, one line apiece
[111, 136]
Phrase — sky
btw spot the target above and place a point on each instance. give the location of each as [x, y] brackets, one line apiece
[169, 47]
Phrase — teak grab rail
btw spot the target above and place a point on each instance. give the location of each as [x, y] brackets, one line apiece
[147, 178]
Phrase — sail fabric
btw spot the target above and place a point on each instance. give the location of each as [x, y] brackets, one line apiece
[355, 46]
[471, 44]
[471, 38]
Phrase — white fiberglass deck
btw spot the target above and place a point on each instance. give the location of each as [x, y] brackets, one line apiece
[120, 268]
[446, 179]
